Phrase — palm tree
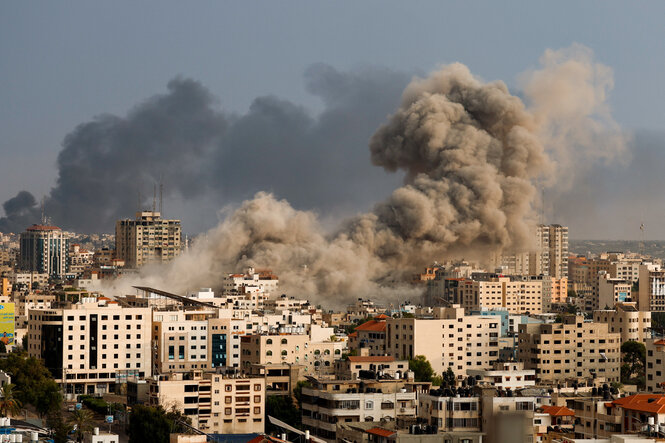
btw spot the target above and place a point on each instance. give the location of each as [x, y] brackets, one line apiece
[9, 404]
[82, 422]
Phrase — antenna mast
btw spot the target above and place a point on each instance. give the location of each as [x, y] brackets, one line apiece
[642, 231]
[161, 196]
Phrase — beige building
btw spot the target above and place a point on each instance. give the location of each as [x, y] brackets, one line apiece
[92, 345]
[652, 288]
[655, 365]
[493, 292]
[612, 290]
[450, 413]
[552, 242]
[329, 402]
[510, 419]
[147, 239]
[573, 349]
[316, 352]
[625, 319]
[449, 340]
[216, 404]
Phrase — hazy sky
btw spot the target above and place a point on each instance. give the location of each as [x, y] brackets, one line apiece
[61, 64]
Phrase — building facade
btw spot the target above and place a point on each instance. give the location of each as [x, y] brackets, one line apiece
[44, 250]
[573, 349]
[147, 239]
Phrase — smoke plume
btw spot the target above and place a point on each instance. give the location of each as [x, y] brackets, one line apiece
[212, 157]
[472, 153]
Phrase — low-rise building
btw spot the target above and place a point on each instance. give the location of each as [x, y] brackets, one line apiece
[329, 402]
[504, 375]
[380, 365]
[215, 403]
[450, 412]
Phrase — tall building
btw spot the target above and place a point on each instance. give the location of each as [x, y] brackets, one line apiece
[45, 250]
[573, 349]
[552, 242]
[147, 239]
[651, 296]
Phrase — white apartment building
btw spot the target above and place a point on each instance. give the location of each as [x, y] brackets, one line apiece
[330, 402]
[504, 375]
[449, 340]
[92, 345]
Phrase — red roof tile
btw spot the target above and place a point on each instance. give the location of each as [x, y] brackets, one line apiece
[380, 432]
[641, 403]
[558, 411]
[372, 325]
[381, 317]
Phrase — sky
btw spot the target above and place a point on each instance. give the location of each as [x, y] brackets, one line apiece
[62, 65]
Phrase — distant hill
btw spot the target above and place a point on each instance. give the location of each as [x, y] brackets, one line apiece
[655, 248]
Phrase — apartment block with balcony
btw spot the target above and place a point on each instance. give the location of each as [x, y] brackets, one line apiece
[450, 413]
[147, 239]
[216, 404]
[573, 349]
[449, 340]
[652, 288]
[627, 320]
[329, 402]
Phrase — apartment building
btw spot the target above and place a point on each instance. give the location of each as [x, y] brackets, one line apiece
[449, 340]
[329, 402]
[552, 243]
[380, 365]
[504, 375]
[612, 290]
[216, 404]
[510, 418]
[79, 259]
[627, 320]
[262, 281]
[655, 365]
[180, 340]
[573, 349]
[315, 351]
[371, 335]
[595, 417]
[450, 413]
[496, 292]
[627, 269]
[91, 346]
[44, 250]
[147, 239]
[652, 288]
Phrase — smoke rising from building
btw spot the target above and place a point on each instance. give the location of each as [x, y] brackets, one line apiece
[473, 154]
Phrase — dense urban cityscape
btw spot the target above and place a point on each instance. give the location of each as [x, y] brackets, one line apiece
[540, 346]
[332, 222]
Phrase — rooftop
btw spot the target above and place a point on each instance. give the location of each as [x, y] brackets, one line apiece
[558, 411]
[371, 358]
[372, 325]
[654, 403]
[43, 228]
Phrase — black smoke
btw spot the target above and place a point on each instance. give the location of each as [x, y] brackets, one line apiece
[201, 152]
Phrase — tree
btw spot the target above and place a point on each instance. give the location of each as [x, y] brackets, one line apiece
[33, 381]
[449, 377]
[422, 369]
[634, 362]
[81, 421]
[9, 404]
[437, 380]
[60, 429]
[3, 348]
[153, 424]
[284, 409]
